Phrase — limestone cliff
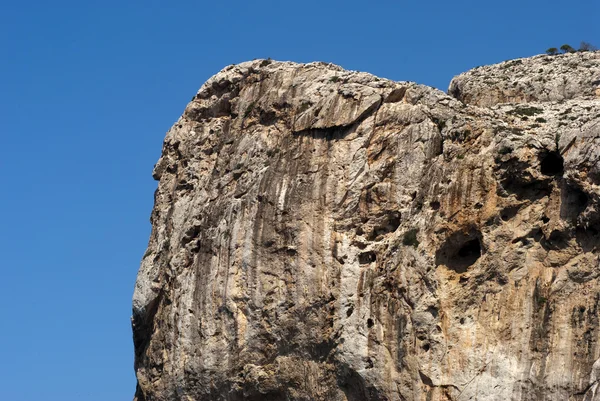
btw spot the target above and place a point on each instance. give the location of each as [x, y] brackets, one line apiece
[322, 234]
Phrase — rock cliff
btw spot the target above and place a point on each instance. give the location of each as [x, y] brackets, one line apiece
[322, 234]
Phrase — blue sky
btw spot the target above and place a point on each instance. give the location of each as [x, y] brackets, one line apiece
[87, 91]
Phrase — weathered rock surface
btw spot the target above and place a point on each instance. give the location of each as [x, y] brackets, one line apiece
[539, 78]
[321, 234]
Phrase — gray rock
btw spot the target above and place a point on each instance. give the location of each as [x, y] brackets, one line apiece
[322, 234]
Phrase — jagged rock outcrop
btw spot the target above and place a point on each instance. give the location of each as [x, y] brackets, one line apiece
[321, 234]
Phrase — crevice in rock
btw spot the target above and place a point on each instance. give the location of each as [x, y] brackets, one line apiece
[588, 238]
[389, 223]
[396, 95]
[336, 132]
[355, 387]
[515, 178]
[573, 202]
[142, 323]
[524, 189]
[509, 212]
[555, 241]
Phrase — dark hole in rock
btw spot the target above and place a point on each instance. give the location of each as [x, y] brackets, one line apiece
[396, 95]
[470, 250]
[460, 251]
[367, 257]
[573, 202]
[349, 311]
[582, 200]
[516, 178]
[524, 241]
[435, 205]
[426, 347]
[509, 212]
[552, 164]
[191, 234]
[545, 219]
[462, 320]
[370, 323]
[588, 238]
[389, 224]
[433, 310]
[556, 240]
[359, 245]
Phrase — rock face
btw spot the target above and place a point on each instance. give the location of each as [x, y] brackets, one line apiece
[321, 234]
[535, 79]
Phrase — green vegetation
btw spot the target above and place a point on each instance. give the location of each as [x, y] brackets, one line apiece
[334, 79]
[567, 48]
[266, 62]
[513, 63]
[440, 123]
[587, 47]
[272, 152]
[249, 109]
[305, 105]
[526, 111]
[410, 238]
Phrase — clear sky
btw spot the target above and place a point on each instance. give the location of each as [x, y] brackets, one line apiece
[88, 90]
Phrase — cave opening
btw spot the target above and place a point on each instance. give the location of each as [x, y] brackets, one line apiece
[552, 164]
[460, 251]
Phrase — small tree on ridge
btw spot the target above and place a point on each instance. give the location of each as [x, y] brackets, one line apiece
[567, 48]
[587, 47]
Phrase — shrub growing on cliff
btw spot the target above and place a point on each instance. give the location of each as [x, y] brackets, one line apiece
[410, 238]
[587, 47]
[567, 48]
[526, 111]
[553, 51]
[249, 109]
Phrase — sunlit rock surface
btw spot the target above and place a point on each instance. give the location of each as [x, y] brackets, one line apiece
[322, 234]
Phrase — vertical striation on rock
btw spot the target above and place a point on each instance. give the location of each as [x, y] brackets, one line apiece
[322, 234]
